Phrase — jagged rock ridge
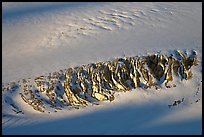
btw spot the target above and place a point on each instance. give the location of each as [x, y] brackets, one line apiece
[99, 81]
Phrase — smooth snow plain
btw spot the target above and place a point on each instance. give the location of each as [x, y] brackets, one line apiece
[38, 38]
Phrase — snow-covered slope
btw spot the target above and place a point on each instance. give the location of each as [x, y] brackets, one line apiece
[42, 38]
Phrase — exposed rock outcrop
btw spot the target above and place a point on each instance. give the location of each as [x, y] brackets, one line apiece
[99, 81]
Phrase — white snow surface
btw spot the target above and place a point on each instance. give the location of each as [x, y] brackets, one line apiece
[38, 38]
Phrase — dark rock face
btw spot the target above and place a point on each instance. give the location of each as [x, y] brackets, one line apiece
[86, 84]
